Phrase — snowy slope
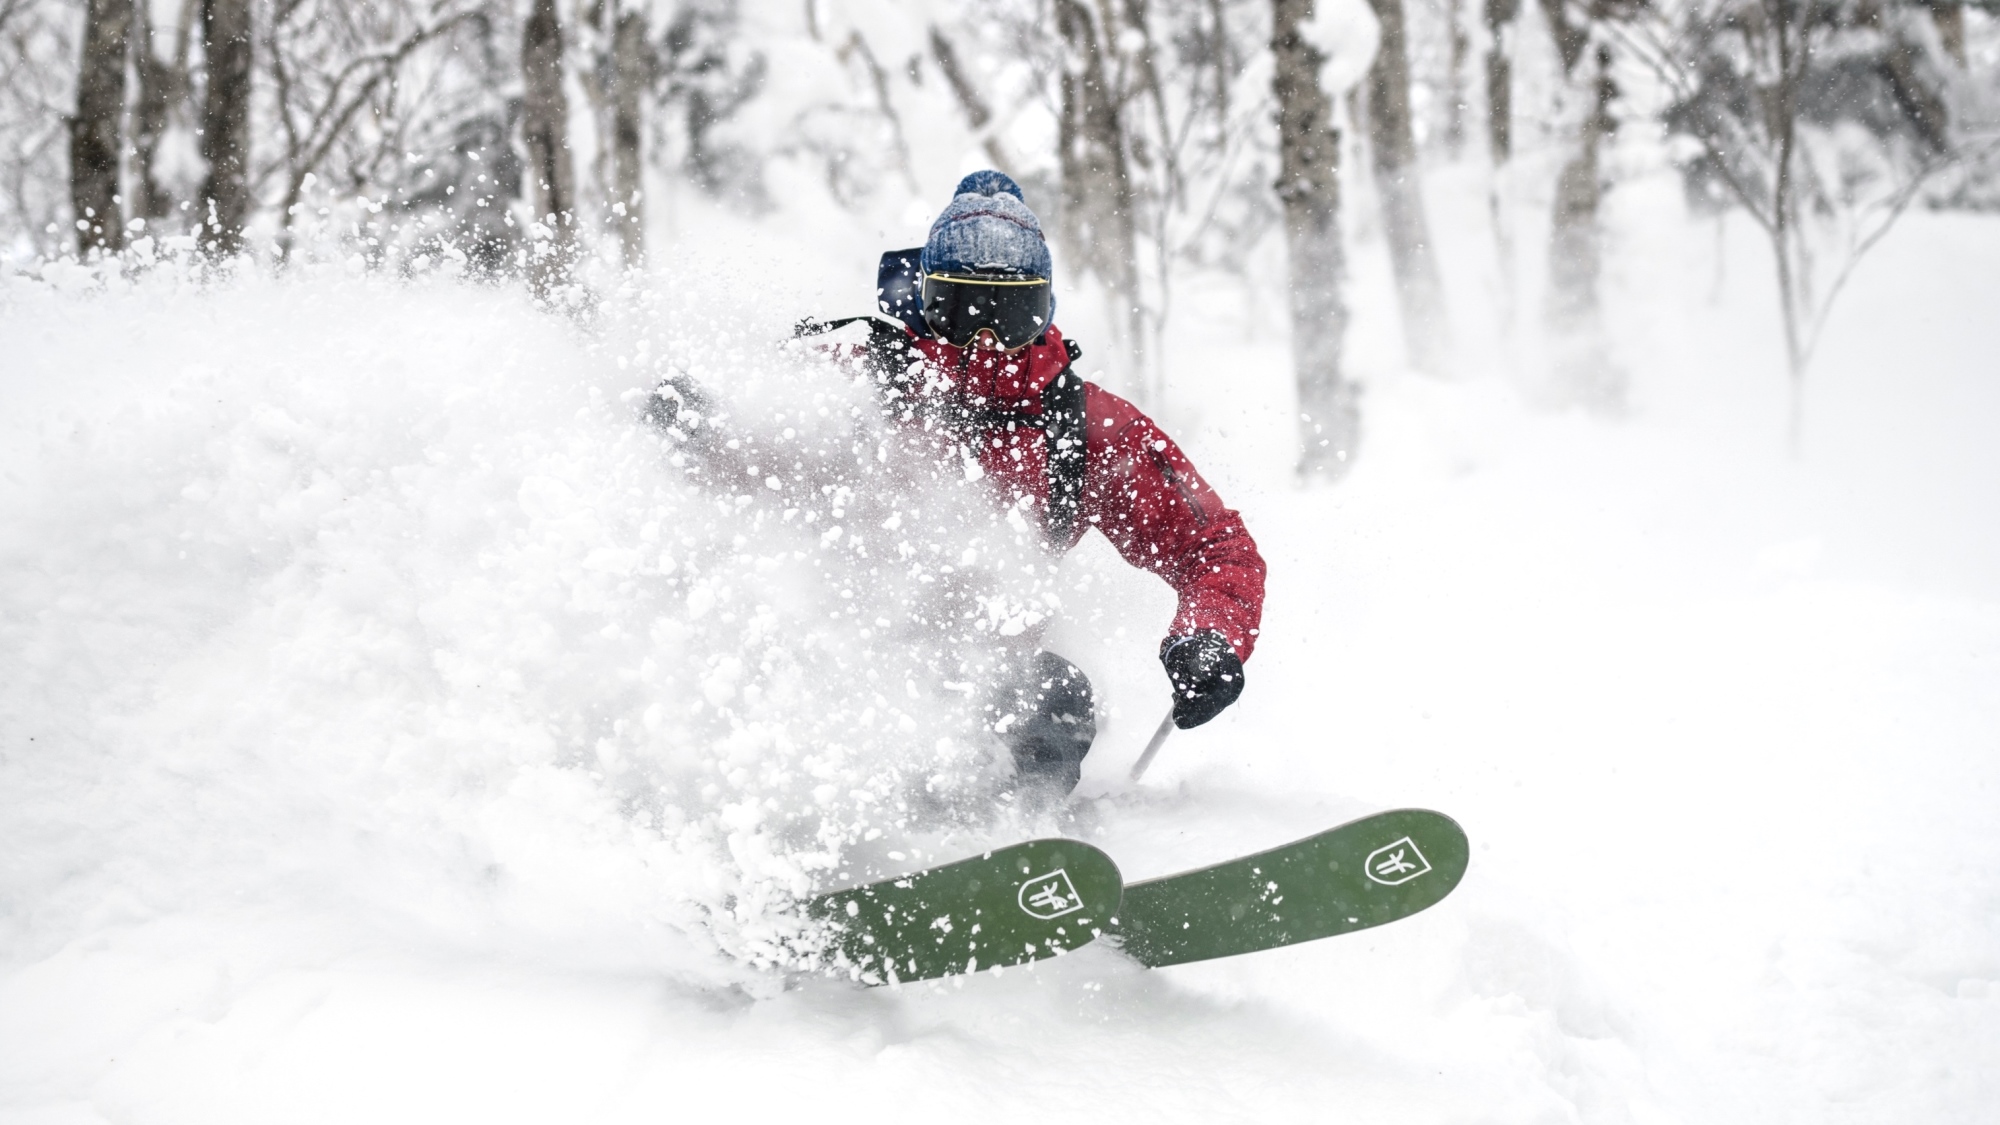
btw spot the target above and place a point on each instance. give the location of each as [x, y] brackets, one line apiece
[361, 757]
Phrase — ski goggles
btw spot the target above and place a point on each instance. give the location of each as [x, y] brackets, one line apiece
[1015, 309]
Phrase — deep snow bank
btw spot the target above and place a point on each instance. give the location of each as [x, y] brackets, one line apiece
[323, 603]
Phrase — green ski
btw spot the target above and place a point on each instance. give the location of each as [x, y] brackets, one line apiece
[1007, 907]
[1361, 874]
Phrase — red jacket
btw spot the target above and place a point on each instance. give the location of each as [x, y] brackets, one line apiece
[1139, 489]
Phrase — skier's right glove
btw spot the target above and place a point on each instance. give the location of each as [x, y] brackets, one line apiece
[888, 353]
[676, 404]
[1206, 675]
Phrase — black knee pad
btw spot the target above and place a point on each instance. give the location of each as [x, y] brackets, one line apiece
[1048, 718]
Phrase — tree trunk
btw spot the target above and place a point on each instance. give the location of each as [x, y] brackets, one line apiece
[1309, 187]
[1097, 218]
[1783, 232]
[1156, 188]
[1571, 38]
[1219, 52]
[225, 124]
[1500, 79]
[1393, 145]
[545, 127]
[1949, 15]
[96, 133]
[161, 85]
[1921, 104]
[1500, 17]
[628, 56]
[1583, 369]
[1461, 47]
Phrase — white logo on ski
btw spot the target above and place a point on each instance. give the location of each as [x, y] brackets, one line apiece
[1396, 863]
[1049, 896]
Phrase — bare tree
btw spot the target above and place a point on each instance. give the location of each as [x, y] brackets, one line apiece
[333, 67]
[96, 132]
[1500, 17]
[631, 76]
[1922, 102]
[1216, 136]
[545, 127]
[1572, 36]
[856, 50]
[1098, 221]
[1949, 15]
[40, 42]
[1796, 107]
[1309, 187]
[1584, 370]
[1460, 44]
[703, 68]
[978, 113]
[1500, 79]
[1399, 182]
[225, 124]
[163, 91]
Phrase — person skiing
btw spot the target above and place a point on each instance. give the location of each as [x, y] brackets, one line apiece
[974, 352]
[976, 349]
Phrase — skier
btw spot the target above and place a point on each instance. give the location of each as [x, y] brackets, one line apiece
[976, 350]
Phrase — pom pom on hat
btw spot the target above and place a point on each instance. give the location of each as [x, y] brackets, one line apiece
[989, 182]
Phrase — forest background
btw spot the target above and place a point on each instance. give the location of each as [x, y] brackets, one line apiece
[1163, 140]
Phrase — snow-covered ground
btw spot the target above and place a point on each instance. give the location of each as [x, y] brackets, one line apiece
[362, 756]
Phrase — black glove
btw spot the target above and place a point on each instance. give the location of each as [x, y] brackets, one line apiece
[1206, 674]
[675, 398]
[889, 350]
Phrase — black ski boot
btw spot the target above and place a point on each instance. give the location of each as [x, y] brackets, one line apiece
[1048, 719]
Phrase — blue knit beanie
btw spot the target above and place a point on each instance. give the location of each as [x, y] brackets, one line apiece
[987, 228]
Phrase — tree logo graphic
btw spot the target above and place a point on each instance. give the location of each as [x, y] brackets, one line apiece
[1400, 862]
[1049, 896]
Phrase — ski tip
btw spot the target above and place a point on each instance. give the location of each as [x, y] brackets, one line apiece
[1368, 872]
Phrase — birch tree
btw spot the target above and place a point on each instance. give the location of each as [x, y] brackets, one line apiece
[630, 78]
[1501, 22]
[1309, 188]
[1584, 371]
[1500, 79]
[162, 97]
[1459, 45]
[1399, 183]
[1097, 219]
[545, 129]
[617, 80]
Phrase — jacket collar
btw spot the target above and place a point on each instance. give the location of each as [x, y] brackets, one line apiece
[985, 378]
